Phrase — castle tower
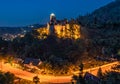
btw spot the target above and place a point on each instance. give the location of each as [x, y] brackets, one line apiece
[52, 23]
[52, 18]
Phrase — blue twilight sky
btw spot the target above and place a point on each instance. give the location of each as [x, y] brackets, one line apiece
[25, 12]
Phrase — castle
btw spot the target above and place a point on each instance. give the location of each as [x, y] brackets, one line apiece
[60, 28]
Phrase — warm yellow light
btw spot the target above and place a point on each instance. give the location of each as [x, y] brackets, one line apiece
[61, 31]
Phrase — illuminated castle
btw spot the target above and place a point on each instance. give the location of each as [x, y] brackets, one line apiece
[60, 28]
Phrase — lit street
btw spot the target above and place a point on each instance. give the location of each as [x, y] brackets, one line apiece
[50, 79]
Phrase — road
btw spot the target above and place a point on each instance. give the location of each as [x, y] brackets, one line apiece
[50, 79]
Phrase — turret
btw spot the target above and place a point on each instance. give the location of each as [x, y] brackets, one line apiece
[52, 18]
[52, 23]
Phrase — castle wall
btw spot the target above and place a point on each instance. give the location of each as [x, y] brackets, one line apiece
[64, 31]
[61, 31]
[43, 32]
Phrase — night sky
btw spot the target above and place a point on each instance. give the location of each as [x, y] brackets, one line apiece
[26, 12]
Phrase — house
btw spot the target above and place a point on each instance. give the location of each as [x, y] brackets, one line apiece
[94, 79]
[17, 60]
[32, 61]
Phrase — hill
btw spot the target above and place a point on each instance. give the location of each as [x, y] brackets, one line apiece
[108, 14]
[103, 22]
[103, 28]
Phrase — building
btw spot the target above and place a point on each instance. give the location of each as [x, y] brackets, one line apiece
[60, 28]
[92, 78]
[32, 61]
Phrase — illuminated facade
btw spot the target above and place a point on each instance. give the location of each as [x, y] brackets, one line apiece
[62, 29]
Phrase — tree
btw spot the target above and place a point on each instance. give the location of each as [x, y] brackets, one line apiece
[99, 73]
[3, 46]
[74, 79]
[81, 67]
[10, 59]
[78, 79]
[10, 78]
[81, 79]
[36, 80]
[112, 77]
[7, 78]
[2, 78]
